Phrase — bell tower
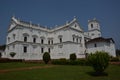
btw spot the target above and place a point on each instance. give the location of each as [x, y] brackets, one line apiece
[94, 28]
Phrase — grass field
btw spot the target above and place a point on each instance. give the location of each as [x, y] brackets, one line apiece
[12, 65]
[56, 72]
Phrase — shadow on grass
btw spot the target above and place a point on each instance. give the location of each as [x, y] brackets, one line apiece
[97, 74]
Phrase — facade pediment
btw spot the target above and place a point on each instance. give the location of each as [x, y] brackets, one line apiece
[76, 25]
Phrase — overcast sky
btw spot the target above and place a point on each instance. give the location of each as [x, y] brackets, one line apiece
[57, 12]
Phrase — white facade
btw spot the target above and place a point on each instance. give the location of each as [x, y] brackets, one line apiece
[29, 41]
[101, 44]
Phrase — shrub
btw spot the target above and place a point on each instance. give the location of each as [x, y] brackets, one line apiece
[64, 61]
[12, 54]
[114, 59]
[83, 61]
[73, 57]
[61, 61]
[6, 60]
[75, 62]
[46, 57]
[55, 61]
[99, 61]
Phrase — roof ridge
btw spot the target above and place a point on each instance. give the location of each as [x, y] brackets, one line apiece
[30, 24]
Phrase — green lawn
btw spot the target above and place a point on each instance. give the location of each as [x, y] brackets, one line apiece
[12, 65]
[59, 72]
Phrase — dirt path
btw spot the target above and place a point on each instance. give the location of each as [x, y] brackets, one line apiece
[25, 68]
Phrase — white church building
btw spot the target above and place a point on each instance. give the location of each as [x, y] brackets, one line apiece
[30, 41]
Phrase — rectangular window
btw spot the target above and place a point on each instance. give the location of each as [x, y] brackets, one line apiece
[25, 49]
[51, 41]
[77, 40]
[42, 41]
[80, 40]
[42, 50]
[48, 41]
[49, 50]
[95, 45]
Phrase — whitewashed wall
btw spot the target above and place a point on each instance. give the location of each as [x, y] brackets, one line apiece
[101, 46]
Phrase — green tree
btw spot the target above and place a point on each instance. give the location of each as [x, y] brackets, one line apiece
[73, 57]
[46, 57]
[99, 61]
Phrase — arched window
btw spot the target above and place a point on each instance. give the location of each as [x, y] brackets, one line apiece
[34, 40]
[91, 25]
[50, 40]
[25, 38]
[42, 39]
[75, 25]
[73, 37]
[25, 35]
[60, 38]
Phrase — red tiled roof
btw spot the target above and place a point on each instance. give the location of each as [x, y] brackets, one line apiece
[100, 39]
